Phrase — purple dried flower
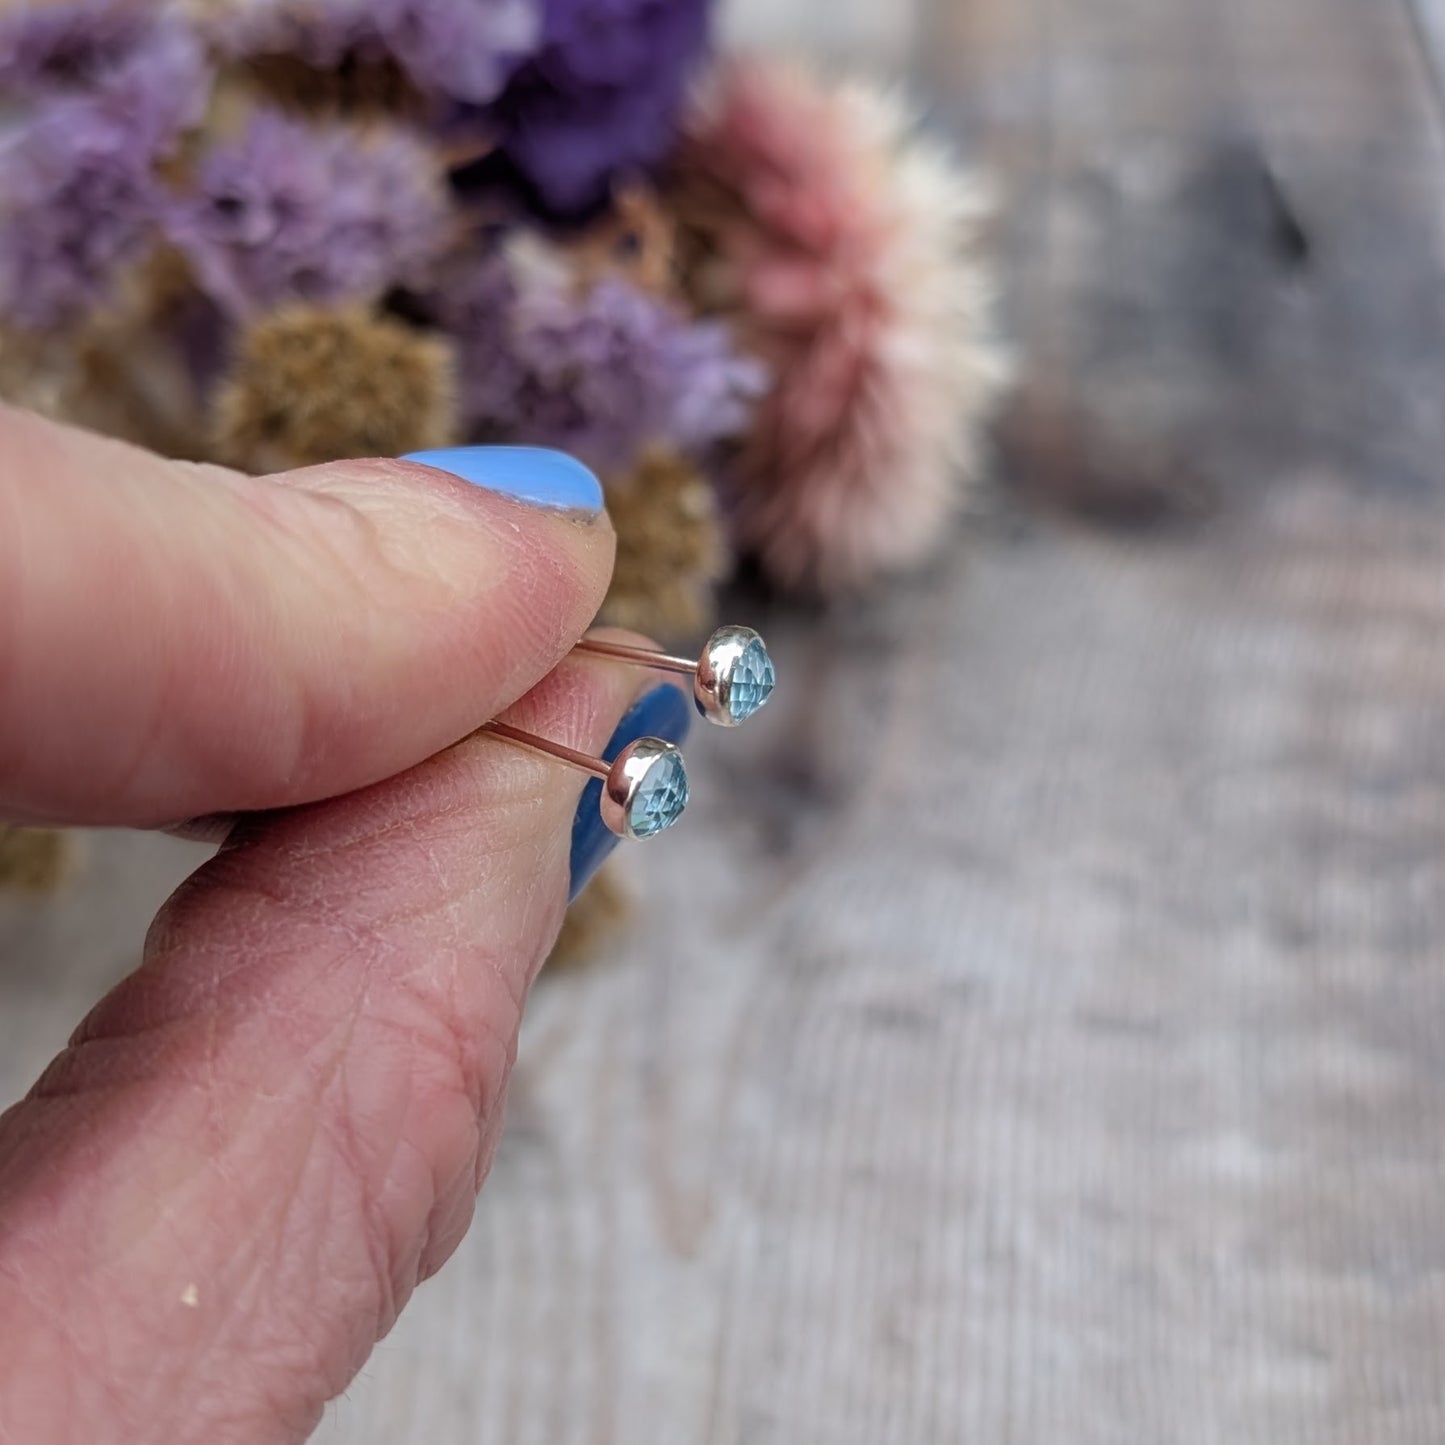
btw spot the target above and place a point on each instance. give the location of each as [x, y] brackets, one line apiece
[465, 50]
[145, 65]
[302, 212]
[603, 94]
[68, 47]
[474, 299]
[601, 375]
[320, 32]
[617, 42]
[77, 202]
[713, 388]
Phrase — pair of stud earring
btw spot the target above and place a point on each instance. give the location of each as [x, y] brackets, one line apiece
[646, 790]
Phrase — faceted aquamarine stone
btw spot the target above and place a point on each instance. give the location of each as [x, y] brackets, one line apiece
[661, 796]
[753, 681]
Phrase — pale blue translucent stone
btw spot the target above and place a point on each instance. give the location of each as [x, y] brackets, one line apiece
[752, 683]
[661, 796]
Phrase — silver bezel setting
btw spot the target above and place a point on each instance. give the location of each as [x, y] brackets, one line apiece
[712, 687]
[620, 790]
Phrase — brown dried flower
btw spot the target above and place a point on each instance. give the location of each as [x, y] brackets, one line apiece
[312, 385]
[35, 860]
[592, 919]
[355, 87]
[36, 372]
[635, 241]
[671, 551]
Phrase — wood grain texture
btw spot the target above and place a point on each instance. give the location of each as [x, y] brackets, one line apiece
[1429, 18]
[1036, 1035]
[881, 33]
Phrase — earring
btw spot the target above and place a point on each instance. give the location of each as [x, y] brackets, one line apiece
[643, 793]
[732, 679]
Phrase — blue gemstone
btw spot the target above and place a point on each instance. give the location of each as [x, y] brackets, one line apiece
[753, 680]
[661, 796]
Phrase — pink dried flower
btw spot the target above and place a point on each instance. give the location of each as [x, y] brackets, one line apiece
[843, 246]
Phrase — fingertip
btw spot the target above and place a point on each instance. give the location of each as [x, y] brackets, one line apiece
[534, 476]
[258, 643]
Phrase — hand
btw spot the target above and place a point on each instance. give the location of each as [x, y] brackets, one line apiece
[222, 1193]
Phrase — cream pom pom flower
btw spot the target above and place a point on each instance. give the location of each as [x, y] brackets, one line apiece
[845, 248]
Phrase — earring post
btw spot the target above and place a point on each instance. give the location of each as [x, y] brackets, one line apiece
[545, 746]
[621, 652]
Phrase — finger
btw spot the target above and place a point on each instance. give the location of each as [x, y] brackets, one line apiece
[178, 640]
[220, 1196]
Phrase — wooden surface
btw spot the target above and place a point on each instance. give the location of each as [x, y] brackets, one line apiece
[1065, 1057]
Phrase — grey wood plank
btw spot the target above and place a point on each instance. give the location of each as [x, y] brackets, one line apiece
[1098, 1098]
[845, 32]
[1429, 19]
[1222, 238]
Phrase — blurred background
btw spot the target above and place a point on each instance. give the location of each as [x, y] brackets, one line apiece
[1035, 1034]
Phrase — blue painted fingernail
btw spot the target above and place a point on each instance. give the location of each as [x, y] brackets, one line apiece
[534, 475]
[666, 713]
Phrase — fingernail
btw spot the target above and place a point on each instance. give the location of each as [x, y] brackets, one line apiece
[664, 713]
[534, 475]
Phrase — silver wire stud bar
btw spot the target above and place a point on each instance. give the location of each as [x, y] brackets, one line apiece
[732, 679]
[643, 793]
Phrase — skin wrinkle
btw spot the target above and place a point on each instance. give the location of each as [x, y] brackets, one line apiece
[361, 561]
[165, 701]
[254, 1293]
[387, 1274]
[49, 1313]
[306, 1265]
[232, 1348]
[89, 1065]
[15, 626]
[109, 1094]
[338, 1051]
[550, 923]
[180, 928]
[491, 1140]
[38, 1124]
[287, 908]
[75, 1076]
[97, 1378]
[462, 1046]
[254, 1390]
[176, 1244]
[384, 1245]
[186, 589]
[381, 839]
[448, 1035]
[448, 1225]
[363, 835]
[15, 1366]
[14, 589]
[106, 1268]
[427, 847]
[211, 1043]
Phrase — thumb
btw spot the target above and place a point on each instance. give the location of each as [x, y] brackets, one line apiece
[178, 640]
[221, 1195]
